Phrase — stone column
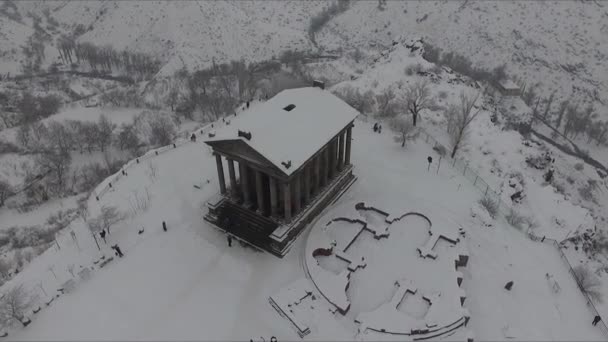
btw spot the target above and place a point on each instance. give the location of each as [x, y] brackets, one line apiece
[325, 166]
[273, 196]
[259, 190]
[297, 194]
[331, 152]
[349, 132]
[220, 173]
[307, 181]
[245, 184]
[287, 200]
[233, 185]
[317, 181]
[341, 152]
[335, 155]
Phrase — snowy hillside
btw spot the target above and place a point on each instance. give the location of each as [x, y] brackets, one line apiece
[189, 33]
[561, 44]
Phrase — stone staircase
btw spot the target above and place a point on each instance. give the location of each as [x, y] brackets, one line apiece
[244, 224]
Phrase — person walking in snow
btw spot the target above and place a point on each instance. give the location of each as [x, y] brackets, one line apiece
[102, 234]
[596, 320]
[164, 226]
[379, 128]
[229, 240]
[375, 127]
[118, 251]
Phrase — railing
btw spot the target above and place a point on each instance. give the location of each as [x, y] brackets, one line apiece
[462, 166]
[111, 181]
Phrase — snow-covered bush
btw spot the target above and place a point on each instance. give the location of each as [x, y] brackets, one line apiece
[413, 69]
[158, 128]
[516, 220]
[579, 166]
[587, 191]
[490, 205]
[362, 102]
[588, 282]
[13, 305]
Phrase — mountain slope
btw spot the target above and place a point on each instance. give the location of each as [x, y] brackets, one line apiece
[561, 44]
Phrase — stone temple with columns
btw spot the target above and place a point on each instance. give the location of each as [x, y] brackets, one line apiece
[279, 164]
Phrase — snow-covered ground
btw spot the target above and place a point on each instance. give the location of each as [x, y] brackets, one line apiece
[187, 283]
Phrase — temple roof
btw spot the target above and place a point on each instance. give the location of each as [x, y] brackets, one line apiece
[290, 127]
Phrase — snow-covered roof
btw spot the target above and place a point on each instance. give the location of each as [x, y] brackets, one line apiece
[282, 135]
[508, 84]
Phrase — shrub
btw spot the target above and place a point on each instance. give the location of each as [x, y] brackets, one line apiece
[443, 94]
[588, 282]
[440, 149]
[412, 69]
[586, 191]
[490, 205]
[361, 102]
[8, 147]
[516, 220]
[579, 166]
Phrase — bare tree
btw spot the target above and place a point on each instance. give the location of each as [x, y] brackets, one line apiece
[417, 98]
[459, 118]
[548, 104]
[127, 138]
[172, 98]
[387, 106]
[90, 132]
[105, 128]
[162, 130]
[24, 135]
[57, 164]
[14, 304]
[60, 138]
[83, 212]
[404, 127]
[5, 191]
[108, 217]
[4, 268]
[560, 113]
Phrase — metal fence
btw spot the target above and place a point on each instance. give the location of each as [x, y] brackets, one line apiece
[462, 166]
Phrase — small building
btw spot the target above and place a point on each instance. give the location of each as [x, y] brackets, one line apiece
[508, 88]
[287, 159]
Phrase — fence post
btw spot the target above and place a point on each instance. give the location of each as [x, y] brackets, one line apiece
[438, 164]
[454, 163]
[475, 182]
[464, 171]
[487, 188]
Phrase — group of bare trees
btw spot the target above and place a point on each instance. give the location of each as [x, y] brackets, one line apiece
[319, 20]
[54, 143]
[413, 101]
[568, 116]
[34, 108]
[216, 90]
[463, 65]
[106, 58]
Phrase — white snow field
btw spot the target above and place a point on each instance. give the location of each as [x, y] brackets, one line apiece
[187, 284]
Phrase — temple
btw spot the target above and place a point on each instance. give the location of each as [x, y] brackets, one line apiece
[286, 159]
